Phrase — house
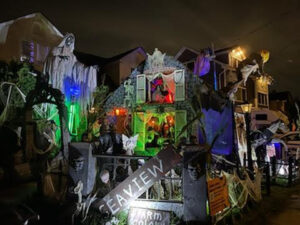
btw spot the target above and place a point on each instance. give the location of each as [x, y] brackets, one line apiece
[28, 38]
[224, 67]
[155, 103]
[283, 102]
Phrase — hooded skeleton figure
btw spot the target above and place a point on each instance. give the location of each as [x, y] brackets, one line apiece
[61, 61]
[62, 64]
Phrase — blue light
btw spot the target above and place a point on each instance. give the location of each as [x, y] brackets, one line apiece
[71, 89]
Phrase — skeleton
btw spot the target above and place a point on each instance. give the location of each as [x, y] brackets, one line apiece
[82, 207]
[260, 137]
[128, 93]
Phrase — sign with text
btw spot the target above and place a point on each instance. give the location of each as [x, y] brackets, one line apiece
[218, 195]
[139, 216]
[136, 184]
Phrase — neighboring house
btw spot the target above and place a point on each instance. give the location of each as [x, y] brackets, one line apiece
[256, 89]
[283, 102]
[117, 68]
[224, 66]
[28, 38]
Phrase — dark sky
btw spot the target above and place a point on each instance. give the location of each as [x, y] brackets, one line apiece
[107, 28]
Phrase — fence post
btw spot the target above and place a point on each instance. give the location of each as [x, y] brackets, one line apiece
[258, 160]
[290, 178]
[273, 164]
[268, 182]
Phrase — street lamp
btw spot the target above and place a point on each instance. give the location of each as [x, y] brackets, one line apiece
[246, 108]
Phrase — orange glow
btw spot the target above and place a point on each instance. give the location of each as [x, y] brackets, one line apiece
[169, 98]
[118, 112]
[238, 54]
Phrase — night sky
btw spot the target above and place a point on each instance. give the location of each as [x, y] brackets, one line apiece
[107, 28]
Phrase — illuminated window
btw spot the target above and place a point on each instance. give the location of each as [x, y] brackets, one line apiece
[27, 51]
[160, 87]
[262, 99]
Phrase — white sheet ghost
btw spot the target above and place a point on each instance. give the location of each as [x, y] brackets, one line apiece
[129, 143]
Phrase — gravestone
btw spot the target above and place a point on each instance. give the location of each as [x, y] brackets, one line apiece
[82, 166]
[148, 216]
[194, 186]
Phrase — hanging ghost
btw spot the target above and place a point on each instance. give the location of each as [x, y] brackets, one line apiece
[66, 73]
[254, 64]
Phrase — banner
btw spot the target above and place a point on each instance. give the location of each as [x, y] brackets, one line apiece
[214, 121]
[136, 184]
[217, 195]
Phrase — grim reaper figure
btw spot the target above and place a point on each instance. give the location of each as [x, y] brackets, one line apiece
[66, 71]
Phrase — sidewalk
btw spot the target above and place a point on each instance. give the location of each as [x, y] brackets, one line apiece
[282, 207]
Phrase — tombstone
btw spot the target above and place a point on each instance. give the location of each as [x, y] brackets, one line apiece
[148, 216]
[82, 166]
[194, 186]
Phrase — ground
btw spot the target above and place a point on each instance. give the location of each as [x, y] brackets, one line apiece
[282, 207]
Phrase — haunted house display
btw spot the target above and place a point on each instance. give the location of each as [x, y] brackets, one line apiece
[158, 109]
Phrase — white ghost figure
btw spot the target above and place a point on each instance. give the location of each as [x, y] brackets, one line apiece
[129, 143]
[104, 176]
[247, 70]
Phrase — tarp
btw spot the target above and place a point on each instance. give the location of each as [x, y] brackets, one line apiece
[214, 122]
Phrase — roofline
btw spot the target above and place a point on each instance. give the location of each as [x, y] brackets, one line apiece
[31, 15]
[182, 50]
[217, 51]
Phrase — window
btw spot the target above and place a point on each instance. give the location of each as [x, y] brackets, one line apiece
[155, 129]
[262, 99]
[160, 88]
[241, 95]
[33, 52]
[27, 51]
[261, 117]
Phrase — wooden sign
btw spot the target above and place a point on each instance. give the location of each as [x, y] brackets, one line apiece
[136, 184]
[217, 195]
[140, 216]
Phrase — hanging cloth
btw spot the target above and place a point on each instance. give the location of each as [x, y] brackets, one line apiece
[202, 65]
[169, 82]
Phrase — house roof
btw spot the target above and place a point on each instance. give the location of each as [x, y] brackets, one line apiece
[90, 59]
[186, 54]
[5, 25]
[120, 56]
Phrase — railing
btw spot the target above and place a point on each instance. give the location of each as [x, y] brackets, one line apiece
[169, 188]
[284, 173]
